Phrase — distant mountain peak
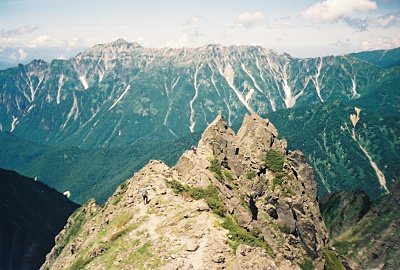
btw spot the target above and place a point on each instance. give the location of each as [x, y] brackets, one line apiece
[123, 42]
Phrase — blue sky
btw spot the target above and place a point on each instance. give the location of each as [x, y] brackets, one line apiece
[61, 28]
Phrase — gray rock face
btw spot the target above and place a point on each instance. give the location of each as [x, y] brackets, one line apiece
[244, 191]
[280, 205]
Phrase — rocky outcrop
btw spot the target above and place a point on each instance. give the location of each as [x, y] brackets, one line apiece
[237, 201]
[285, 200]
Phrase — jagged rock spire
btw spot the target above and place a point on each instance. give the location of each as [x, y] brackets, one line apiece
[269, 210]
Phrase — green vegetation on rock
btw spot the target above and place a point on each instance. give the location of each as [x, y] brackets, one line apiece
[215, 167]
[274, 161]
[210, 194]
[242, 236]
[307, 265]
[332, 261]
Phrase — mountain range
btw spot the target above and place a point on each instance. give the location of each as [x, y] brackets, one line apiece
[121, 95]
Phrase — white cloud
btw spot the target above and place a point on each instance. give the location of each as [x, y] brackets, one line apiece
[357, 24]
[192, 32]
[22, 55]
[40, 41]
[380, 43]
[22, 30]
[194, 20]
[250, 19]
[388, 20]
[332, 10]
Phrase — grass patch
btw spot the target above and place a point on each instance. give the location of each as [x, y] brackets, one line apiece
[343, 247]
[286, 191]
[209, 194]
[277, 181]
[228, 175]
[120, 233]
[143, 258]
[250, 175]
[307, 265]
[283, 228]
[215, 167]
[274, 161]
[121, 220]
[117, 199]
[242, 236]
[80, 263]
[78, 221]
[332, 261]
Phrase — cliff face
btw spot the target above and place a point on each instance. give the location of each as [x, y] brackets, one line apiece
[237, 201]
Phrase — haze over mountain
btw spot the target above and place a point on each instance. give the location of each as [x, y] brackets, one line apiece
[120, 94]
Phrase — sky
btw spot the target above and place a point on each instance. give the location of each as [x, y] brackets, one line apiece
[303, 28]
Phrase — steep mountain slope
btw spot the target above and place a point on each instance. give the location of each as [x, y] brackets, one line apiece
[342, 210]
[86, 173]
[31, 215]
[370, 242]
[344, 160]
[239, 201]
[381, 58]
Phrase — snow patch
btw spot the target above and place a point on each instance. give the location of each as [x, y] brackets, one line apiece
[249, 95]
[352, 76]
[289, 99]
[60, 85]
[229, 112]
[315, 80]
[84, 82]
[14, 123]
[73, 112]
[213, 81]
[229, 76]
[31, 107]
[120, 97]
[175, 83]
[271, 100]
[196, 89]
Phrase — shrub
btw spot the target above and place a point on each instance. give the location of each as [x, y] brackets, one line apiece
[241, 236]
[307, 265]
[250, 175]
[177, 187]
[215, 167]
[276, 181]
[80, 263]
[228, 175]
[332, 261]
[209, 194]
[274, 161]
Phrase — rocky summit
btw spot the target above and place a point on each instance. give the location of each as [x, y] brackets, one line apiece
[236, 201]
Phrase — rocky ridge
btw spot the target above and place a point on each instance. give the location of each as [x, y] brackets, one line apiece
[238, 201]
